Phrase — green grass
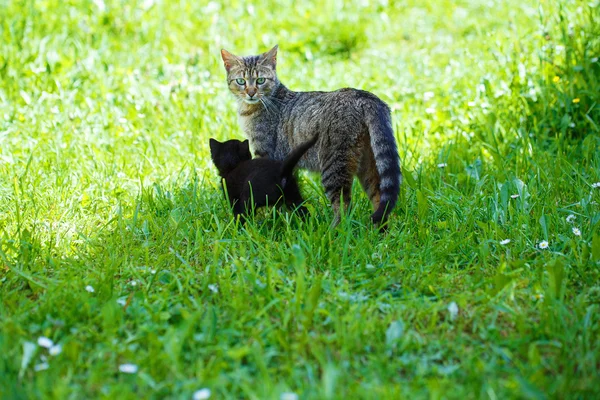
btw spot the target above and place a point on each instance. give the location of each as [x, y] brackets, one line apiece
[105, 180]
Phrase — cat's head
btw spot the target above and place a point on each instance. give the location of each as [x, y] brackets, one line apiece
[251, 78]
[228, 155]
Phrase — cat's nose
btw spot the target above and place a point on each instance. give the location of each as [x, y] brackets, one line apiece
[251, 91]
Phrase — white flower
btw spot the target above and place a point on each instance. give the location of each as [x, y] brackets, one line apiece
[514, 196]
[543, 244]
[430, 110]
[428, 96]
[453, 310]
[571, 218]
[442, 165]
[288, 396]
[596, 185]
[538, 296]
[505, 241]
[122, 301]
[213, 288]
[55, 350]
[41, 367]
[133, 283]
[471, 104]
[128, 368]
[123, 120]
[202, 394]
[153, 271]
[89, 288]
[44, 342]
[576, 231]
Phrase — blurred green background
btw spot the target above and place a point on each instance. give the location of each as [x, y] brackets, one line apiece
[106, 108]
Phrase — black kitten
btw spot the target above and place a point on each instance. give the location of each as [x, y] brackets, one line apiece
[257, 181]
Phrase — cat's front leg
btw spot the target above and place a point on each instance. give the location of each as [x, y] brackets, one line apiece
[263, 140]
[262, 147]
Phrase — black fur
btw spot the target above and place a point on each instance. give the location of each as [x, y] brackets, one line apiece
[259, 181]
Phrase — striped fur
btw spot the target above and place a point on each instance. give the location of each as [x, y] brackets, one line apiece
[355, 131]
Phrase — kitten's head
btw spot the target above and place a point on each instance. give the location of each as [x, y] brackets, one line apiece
[228, 155]
[253, 77]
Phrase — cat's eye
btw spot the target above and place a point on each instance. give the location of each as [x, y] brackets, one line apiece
[260, 81]
[240, 81]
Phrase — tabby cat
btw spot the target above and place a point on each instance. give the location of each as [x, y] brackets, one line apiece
[354, 126]
[260, 181]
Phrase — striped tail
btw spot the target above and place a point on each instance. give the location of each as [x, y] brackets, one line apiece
[383, 144]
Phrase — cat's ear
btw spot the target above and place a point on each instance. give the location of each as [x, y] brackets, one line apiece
[245, 146]
[270, 57]
[229, 59]
[214, 146]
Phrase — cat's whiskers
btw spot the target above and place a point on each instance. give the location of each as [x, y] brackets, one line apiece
[265, 106]
[275, 100]
[269, 104]
[268, 108]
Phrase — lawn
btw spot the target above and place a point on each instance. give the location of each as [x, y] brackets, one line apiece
[122, 274]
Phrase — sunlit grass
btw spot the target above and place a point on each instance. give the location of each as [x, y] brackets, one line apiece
[122, 274]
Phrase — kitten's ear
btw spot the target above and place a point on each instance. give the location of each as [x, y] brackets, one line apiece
[270, 57]
[229, 59]
[214, 146]
[245, 145]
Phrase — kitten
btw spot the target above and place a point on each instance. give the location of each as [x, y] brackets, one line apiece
[258, 181]
[356, 136]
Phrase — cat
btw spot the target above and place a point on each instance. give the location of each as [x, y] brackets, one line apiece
[258, 181]
[356, 135]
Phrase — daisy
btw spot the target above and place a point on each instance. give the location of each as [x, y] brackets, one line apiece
[453, 310]
[45, 342]
[55, 350]
[543, 244]
[576, 231]
[128, 368]
[41, 367]
[89, 288]
[570, 218]
[505, 241]
[202, 394]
